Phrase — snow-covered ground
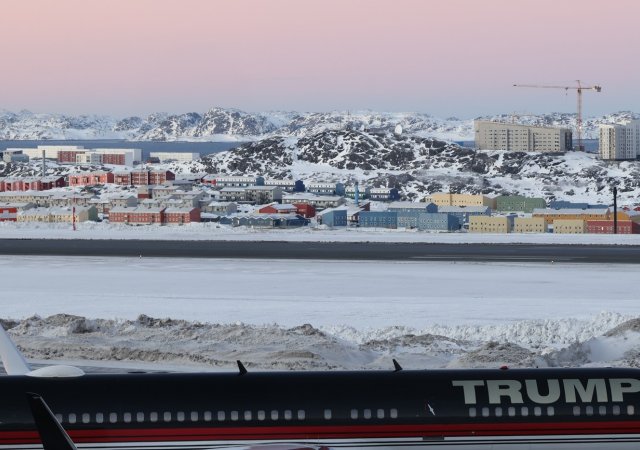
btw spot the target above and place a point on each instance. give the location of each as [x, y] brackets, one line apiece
[322, 314]
[215, 232]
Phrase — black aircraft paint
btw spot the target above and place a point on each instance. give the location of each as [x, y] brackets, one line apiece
[511, 409]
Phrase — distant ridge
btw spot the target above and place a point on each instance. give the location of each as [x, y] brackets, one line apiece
[224, 124]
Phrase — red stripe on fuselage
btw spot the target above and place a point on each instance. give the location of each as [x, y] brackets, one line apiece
[332, 432]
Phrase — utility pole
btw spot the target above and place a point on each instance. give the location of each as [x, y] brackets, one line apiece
[615, 210]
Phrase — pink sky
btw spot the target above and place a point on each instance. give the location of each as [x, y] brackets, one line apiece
[446, 57]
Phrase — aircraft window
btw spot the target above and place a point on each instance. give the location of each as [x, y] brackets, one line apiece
[393, 413]
[207, 416]
[180, 416]
[261, 415]
[288, 415]
[153, 416]
[194, 416]
[139, 417]
[615, 410]
[113, 417]
[537, 411]
[59, 417]
[234, 415]
[126, 417]
[167, 416]
[485, 412]
[602, 410]
[366, 413]
[99, 417]
[221, 416]
[274, 415]
[72, 418]
[498, 411]
[630, 410]
[472, 412]
[301, 414]
[551, 411]
[576, 410]
[524, 411]
[511, 411]
[86, 418]
[380, 413]
[247, 415]
[354, 414]
[327, 414]
[589, 410]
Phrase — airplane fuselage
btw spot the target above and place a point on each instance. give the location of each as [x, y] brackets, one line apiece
[508, 409]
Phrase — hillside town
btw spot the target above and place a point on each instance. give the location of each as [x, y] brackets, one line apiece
[151, 195]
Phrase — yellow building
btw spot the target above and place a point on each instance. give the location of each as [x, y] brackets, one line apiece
[572, 214]
[569, 226]
[488, 224]
[449, 199]
[530, 225]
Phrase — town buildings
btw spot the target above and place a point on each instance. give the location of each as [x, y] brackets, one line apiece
[521, 138]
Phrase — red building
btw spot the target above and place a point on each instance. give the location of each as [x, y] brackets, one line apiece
[69, 156]
[9, 212]
[136, 216]
[305, 210]
[606, 227]
[278, 209]
[178, 216]
[161, 176]
[91, 178]
[31, 184]
[122, 178]
[116, 159]
[140, 177]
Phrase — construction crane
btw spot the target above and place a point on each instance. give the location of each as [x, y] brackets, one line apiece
[579, 88]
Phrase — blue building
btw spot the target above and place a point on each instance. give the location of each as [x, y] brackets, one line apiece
[438, 222]
[336, 217]
[464, 212]
[413, 206]
[378, 219]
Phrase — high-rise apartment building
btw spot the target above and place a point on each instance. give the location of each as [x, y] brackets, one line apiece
[620, 141]
[521, 138]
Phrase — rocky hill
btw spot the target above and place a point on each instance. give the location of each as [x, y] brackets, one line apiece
[419, 166]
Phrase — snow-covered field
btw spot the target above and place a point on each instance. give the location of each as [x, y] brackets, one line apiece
[215, 232]
[322, 314]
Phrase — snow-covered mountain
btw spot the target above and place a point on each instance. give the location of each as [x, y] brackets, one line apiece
[231, 124]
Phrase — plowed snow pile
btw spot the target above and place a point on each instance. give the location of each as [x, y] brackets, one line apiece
[206, 346]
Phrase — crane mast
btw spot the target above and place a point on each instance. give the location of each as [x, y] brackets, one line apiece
[579, 88]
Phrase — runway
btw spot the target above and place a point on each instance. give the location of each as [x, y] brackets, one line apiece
[372, 251]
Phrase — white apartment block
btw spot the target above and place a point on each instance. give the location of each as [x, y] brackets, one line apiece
[175, 156]
[620, 141]
[520, 138]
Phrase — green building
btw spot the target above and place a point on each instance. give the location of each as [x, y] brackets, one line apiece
[507, 203]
